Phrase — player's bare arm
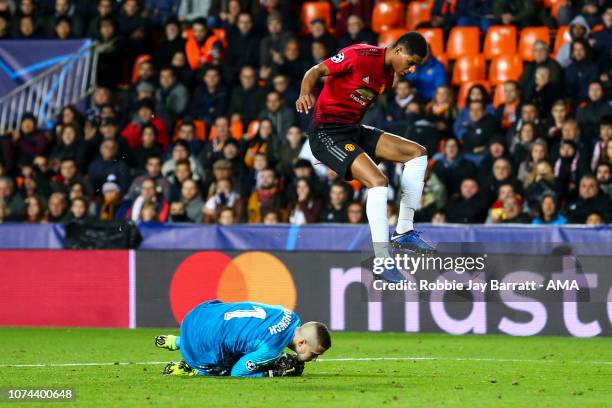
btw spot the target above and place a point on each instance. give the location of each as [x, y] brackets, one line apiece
[305, 101]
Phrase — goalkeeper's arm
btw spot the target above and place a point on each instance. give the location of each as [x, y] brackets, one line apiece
[267, 363]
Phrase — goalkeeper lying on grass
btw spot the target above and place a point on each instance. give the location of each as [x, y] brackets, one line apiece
[244, 339]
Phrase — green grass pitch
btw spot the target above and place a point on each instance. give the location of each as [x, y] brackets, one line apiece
[430, 371]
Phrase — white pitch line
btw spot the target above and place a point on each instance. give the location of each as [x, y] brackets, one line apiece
[332, 360]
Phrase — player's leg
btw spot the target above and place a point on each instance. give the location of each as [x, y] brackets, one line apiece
[414, 157]
[364, 170]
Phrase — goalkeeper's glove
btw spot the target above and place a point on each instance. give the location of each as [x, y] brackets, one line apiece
[288, 365]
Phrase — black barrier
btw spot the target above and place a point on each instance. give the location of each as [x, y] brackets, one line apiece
[570, 296]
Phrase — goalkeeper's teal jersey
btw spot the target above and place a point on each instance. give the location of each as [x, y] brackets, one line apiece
[239, 339]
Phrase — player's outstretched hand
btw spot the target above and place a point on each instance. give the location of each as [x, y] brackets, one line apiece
[304, 103]
[288, 365]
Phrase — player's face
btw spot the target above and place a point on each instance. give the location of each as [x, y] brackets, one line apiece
[405, 63]
[305, 352]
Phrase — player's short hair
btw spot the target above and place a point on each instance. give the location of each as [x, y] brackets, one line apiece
[414, 43]
[323, 335]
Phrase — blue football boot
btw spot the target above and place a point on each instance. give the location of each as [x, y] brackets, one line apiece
[412, 241]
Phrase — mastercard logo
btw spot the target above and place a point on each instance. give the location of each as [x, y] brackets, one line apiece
[251, 276]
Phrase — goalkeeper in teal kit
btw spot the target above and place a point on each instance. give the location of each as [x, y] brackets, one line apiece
[244, 339]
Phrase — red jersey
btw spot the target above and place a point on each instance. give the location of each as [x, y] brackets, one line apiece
[357, 76]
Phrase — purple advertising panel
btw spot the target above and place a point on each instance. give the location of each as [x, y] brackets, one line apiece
[461, 293]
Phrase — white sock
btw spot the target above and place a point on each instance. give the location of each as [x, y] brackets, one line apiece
[376, 209]
[412, 182]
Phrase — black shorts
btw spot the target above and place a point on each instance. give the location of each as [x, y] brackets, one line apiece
[337, 146]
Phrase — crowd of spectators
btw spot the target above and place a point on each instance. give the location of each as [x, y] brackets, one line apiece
[203, 128]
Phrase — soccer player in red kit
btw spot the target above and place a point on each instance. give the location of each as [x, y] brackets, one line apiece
[355, 77]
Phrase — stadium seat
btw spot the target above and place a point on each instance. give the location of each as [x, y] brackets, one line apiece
[555, 7]
[500, 40]
[387, 15]
[435, 38]
[253, 128]
[418, 12]
[312, 10]
[505, 68]
[442, 58]
[469, 68]
[200, 129]
[139, 60]
[462, 41]
[389, 37]
[561, 38]
[463, 91]
[498, 97]
[528, 37]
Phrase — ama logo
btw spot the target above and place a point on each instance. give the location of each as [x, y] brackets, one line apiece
[251, 276]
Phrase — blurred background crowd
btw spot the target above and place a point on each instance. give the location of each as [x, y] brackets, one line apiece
[193, 116]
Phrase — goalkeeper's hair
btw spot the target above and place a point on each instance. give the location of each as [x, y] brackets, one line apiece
[323, 335]
[414, 43]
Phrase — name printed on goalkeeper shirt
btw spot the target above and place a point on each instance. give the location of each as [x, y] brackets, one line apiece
[283, 324]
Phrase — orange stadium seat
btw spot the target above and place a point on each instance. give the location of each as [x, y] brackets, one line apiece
[561, 38]
[462, 41]
[555, 7]
[312, 10]
[387, 15]
[389, 37]
[418, 12]
[469, 68]
[505, 68]
[463, 91]
[435, 38]
[139, 60]
[498, 97]
[253, 129]
[528, 37]
[500, 40]
[200, 129]
[443, 59]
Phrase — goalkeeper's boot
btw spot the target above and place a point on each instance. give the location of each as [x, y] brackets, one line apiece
[167, 341]
[412, 241]
[180, 368]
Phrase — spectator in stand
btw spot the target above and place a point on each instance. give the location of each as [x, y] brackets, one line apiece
[213, 149]
[26, 28]
[538, 151]
[34, 211]
[149, 212]
[590, 200]
[153, 172]
[496, 212]
[187, 132]
[282, 85]
[501, 174]
[180, 151]
[318, 52]
[478, 13]
[62, 29]
[605, 134]
[475, 93]
[191, 200]
[304, 208]
[104, 10]
[603, 174]
[521, 144]
[135, 29]
[28, 141]
[558, 116]
[172, 97]
[539, 182]
[360, 8]
[481, 128]
[247, 98]
[541, 56]
[356, 33]
[193, 10]
[513, 212]
[397, 102]
[336, 209]
[70, 144]
[507, 111]
[203, 46]
[148, 147]
[14, 203]
[4, 35]
[109, 164]
[529, 114]
[281, 116]
[602, 39]
[226, 216]
[65, 12]
[264, 142]
[591, 114]
[130, 209]
[243, 46]
[427, 78]
[143, 116]
[78, 210]
[183, 71]
[469, 206]
[451, 167]
[272, 46]
[289, 63]
[289, 151]
[548, 212]
[445, 13]
[318, 32]
[182, 172]
[68, 175]
[442, 110]
[171, 43]
[519, 13]
[580, 72]
[210, 98]
[543, 94]
[568, 168]
[355, 213]
[578, 30]
[58, 209]
[267, 197]
[224, 196]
